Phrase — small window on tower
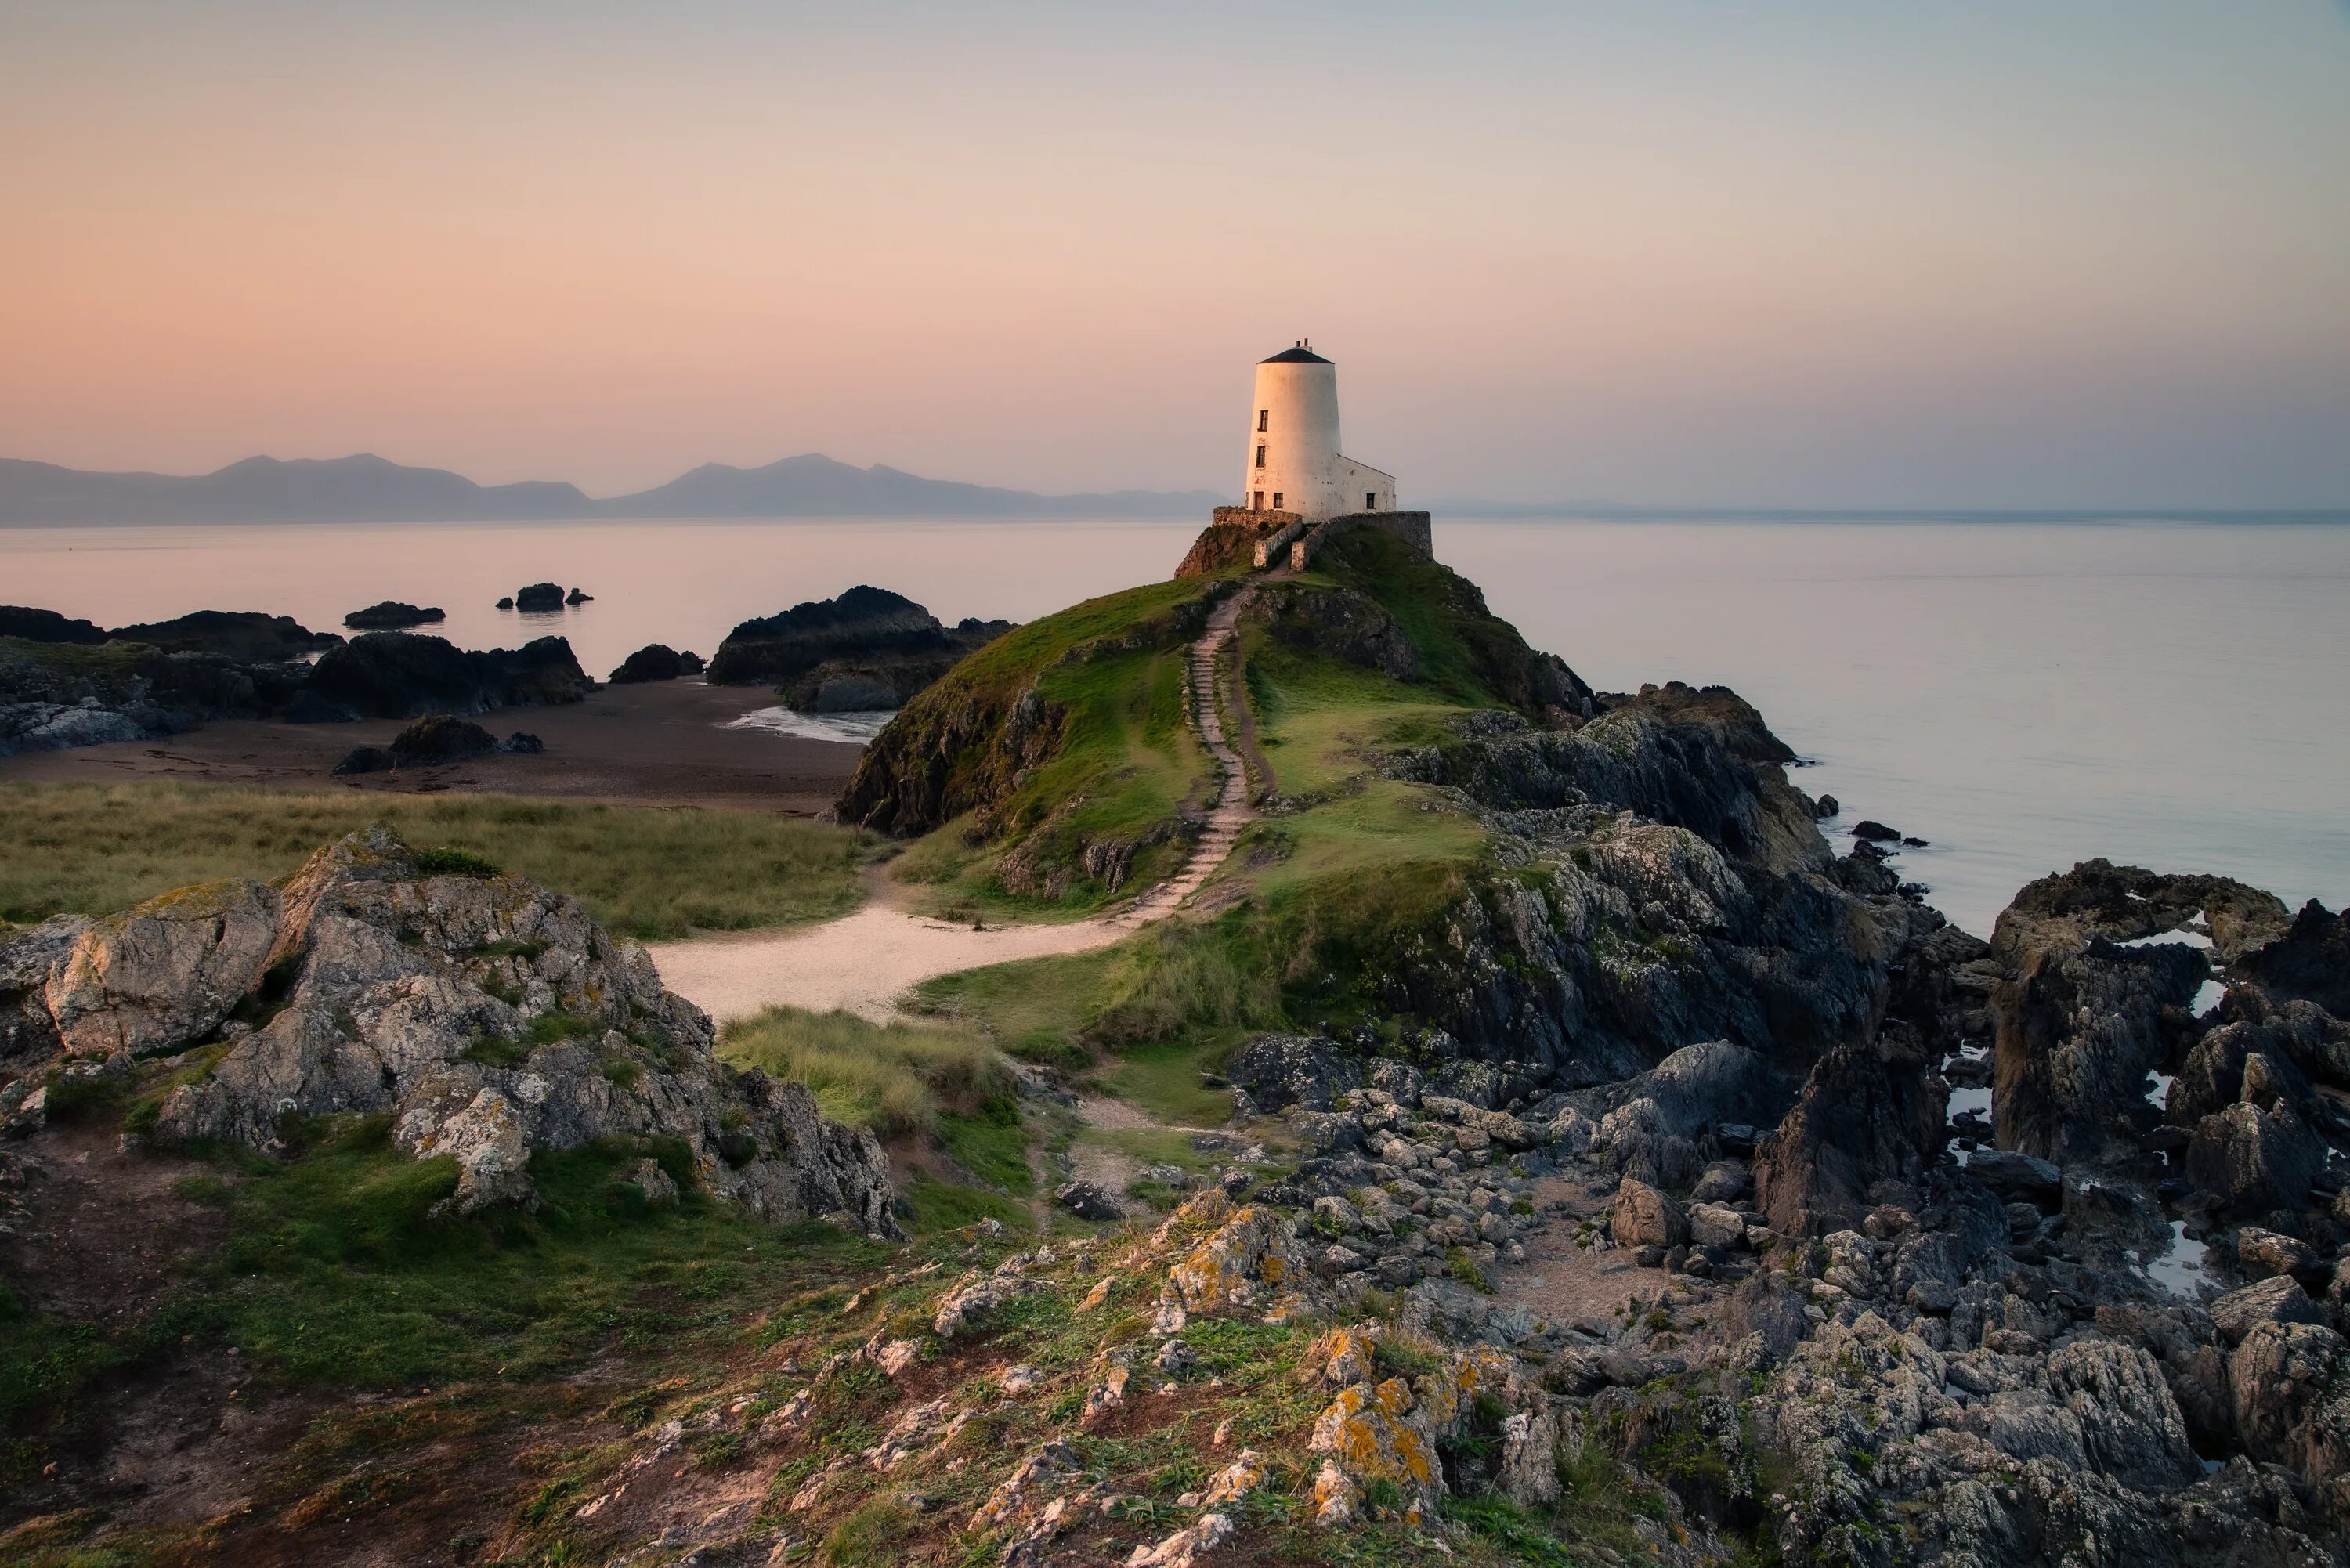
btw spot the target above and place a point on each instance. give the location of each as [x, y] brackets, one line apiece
[1262, 415]
[1260, 457]
[1370, 501]
[1276, 501]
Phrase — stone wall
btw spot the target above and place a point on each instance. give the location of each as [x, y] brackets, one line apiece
[1230, 539]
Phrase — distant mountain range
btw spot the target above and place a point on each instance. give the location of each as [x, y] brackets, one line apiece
[368, 489]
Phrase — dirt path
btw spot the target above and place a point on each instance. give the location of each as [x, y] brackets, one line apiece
[863, 962]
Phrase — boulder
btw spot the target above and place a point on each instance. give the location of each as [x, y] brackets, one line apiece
[161, 975]
[654, 662]
[1645, 1216]
[2017, 1177]
[484, 1016]
[2278, 1299]
[1275, 1072]
[1252, 1256]
[1088, 1200]
[1869, 1113]
[434, 739]
[577, 597]
[391, 615]
[539, 597]
[2255, 1161]
[1653, 1134]
[29, 957]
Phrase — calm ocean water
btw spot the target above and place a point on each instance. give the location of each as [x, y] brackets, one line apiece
[2022, 694]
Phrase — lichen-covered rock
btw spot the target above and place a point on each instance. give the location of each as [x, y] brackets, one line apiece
[1383, 1432]
[485, 1015]
[158, 975]
[1254, 1257]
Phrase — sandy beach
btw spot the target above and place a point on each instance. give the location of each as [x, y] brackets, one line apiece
[664, 742]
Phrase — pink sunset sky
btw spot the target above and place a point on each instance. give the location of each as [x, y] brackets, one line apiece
[1801, 253]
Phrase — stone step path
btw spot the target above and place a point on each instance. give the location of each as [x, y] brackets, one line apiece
[1231, 812]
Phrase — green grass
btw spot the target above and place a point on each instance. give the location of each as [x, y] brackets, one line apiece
[896, 1078]
[336, 1271]
[644, 872]
[1165, 1080]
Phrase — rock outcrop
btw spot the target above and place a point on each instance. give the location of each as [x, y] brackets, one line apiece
[391, 615]
[868, 649]
[2089, 1007]
[404, 675]
[47, 625]
[656, 662]
[246, 637]
[433, 740]
[484, 1016]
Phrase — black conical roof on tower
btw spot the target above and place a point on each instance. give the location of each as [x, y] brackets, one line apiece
[1298, 354]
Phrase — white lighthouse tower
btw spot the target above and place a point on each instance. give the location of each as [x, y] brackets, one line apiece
[1293, 462]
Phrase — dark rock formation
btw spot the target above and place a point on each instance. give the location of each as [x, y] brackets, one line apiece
[246, 636]
[403, 675]
[434, 739]
[54, 694]
[2310, 962]
[396, 989]
[577, 597]
[46, 626]
[506, 602]
[2083, 1018]
[539, 597]
[390, 615]
[654, 662]
[1870, 1118]
[868, 649]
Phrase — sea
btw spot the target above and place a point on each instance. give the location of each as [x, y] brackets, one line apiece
[2020, 693]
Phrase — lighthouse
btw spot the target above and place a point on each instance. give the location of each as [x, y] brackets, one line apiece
[1294, 463]
[1299, 491]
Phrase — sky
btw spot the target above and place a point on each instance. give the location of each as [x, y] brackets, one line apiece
[1973, 253]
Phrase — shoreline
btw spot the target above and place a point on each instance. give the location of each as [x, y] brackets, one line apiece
[657, 743]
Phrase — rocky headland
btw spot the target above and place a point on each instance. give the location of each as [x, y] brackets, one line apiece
[1615, 1172]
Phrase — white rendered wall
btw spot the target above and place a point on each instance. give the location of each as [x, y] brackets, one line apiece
[1298, 406]
[1362, 488]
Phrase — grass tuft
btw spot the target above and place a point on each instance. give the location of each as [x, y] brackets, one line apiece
[894, 1078]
